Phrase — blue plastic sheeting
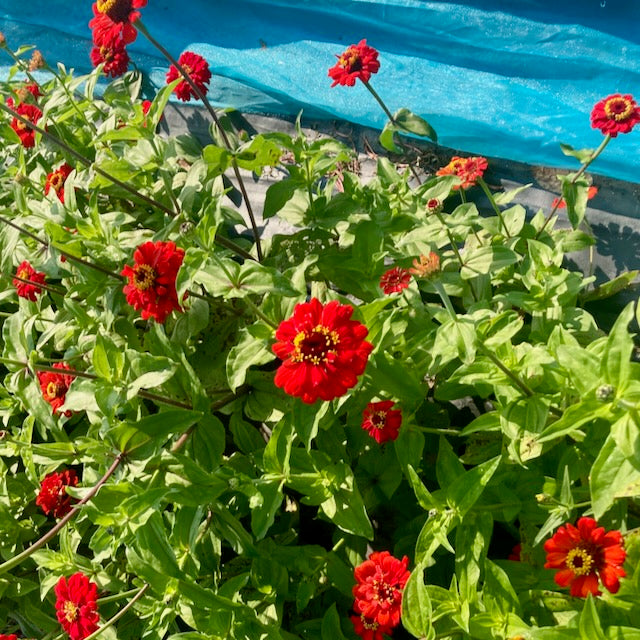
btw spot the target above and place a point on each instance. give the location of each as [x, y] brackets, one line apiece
[509, 79]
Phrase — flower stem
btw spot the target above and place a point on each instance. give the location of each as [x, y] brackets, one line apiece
[223, 134]
[446, 300]
[40, 285]
[223, 242]
[117, 596]
[496, 208]
[393, 121]
[582, 169]
[16, 560]
[444, 432]
[258, 312]
[118, 615]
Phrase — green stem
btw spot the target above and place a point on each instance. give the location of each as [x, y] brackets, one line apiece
[117, 596]
[223, 134]
[40, 285]
[573, 180]
[258, 312]
[118, 615]
[393, 121]
[72, 101]
[223, 242]
[446, 300]
[16, 560]
[513, 376]
[443, 432]
[496, 208]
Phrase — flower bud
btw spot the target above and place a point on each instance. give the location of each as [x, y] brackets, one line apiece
[605, 393]
[3, 40]
[37, 61]
[435, 206]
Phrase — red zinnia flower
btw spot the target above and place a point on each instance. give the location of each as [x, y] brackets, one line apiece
[559, 203]
[394, 280]
[114, 57]
[585, 554]
[55, 386]
[381, 421]
[12, 636]
[378, 592]
[368, 629]
[56, 180]
[322, 350]
[515, 553]
[25, 133]
[615, 114]
[197, 68]
[113, 20]
[358, 61]
[467, 169]
[152, 279]
[28, 290]
[53, 497]
[76, 607]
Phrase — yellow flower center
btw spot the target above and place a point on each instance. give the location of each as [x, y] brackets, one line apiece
[315, 346]
[56, 181]
[580, 561]
[104, 6]
[144, 276]
[55, 390]
[23, 273]
[383, 591]
[618, 109]
[349, 59]
[70, 610]
[370, 625]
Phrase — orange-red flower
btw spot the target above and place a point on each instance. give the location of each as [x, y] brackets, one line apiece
[54, 386]
[394, 280]
[26, 133]
[378, 590]
[322, 350]
[11, 636]
[615, 114]
[113, 20]
[114, 56]
[53, 497]
[426, 266]
[367, 629]
[382, 422]
[56, 180]
[467, 169]
[28, 290]
[357, 61]
[197, 68]
[151, 283]
[584, 556]
[559, 203]
[76, 607]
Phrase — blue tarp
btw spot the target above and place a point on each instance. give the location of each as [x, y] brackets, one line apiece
[498, 78]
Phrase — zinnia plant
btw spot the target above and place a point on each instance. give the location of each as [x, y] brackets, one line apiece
[336, 430]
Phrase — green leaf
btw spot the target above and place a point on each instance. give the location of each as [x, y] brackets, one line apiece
[485, 260]
[249, 351]
[582, 155]
[331, 629]
[498, 592]
[472, 543]
[610, 288]
[463, 492]
[413, 123]
[616, 358]
[417, 611]
[386, 138]
[589, 623]
[575, 196]
[277, 196]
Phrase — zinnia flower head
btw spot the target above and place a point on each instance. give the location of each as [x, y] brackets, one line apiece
[378, 590]
[467, 169]
[197, 68]
[113, 20]
[26, 133]
[114, 56]
[11, 636]
[559, 203]
[394, 280]
[28, 290]
[615, 114]
[56, 180]
[426, 266]
[367, 629]
[151, 283]
[382, 422]
[584, 556]
[53, 497]
[357, 61]
[322, 350]
[54, 386]
[28, 92]
[76, 607]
